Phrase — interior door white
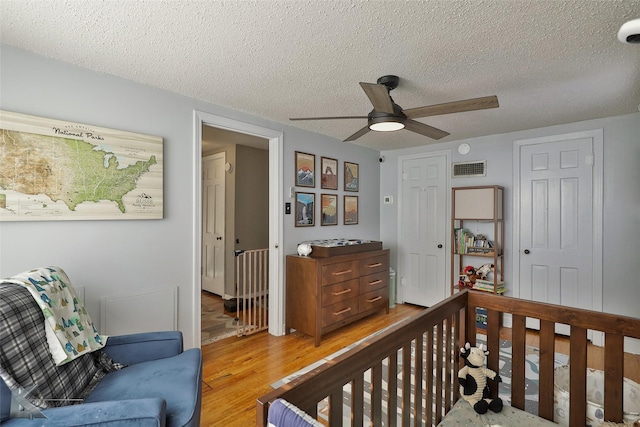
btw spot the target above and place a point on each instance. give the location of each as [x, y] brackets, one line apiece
[213, 221]
[556, 251]
[423, 230]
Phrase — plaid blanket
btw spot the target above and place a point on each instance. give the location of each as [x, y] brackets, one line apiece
[25, 358]
[69, 328]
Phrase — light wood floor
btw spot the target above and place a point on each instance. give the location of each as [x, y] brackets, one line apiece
[237, 371]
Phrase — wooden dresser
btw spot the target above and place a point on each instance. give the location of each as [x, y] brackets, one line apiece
[324, 294]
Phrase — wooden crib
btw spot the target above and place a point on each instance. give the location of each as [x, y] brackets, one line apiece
[447, 326]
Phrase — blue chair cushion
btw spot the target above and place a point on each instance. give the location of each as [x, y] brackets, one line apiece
[150, 380]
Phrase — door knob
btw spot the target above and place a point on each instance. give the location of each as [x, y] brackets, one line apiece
[527, 252]
[440, 246]
[218, 238]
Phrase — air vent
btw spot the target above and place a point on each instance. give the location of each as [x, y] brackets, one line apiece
[466, 169]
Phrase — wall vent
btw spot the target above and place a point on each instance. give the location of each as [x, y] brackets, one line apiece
[466, 169]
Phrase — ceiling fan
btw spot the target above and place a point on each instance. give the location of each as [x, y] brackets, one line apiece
[388, 116]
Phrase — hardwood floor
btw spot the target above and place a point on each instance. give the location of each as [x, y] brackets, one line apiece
[237, 371]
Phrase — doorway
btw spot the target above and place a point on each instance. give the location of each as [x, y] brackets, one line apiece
[274, 139]
[235, 213]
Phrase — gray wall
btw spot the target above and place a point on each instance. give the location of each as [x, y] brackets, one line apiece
[621, 170]
[252, 198]
[119, 258]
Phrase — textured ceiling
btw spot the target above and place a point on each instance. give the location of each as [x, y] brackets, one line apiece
[548, 61]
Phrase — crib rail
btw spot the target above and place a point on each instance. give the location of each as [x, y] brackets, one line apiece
[399, 353]
[615, 329]
[432, 336]
[252, 278]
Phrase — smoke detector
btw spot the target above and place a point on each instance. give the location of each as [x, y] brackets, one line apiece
[630, 32]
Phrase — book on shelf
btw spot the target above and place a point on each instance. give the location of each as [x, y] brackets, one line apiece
[487, 286]
[467, 243]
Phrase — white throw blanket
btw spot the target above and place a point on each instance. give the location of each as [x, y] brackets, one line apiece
[69, 328]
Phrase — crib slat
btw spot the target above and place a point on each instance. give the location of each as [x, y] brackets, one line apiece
[376, 394]
[546, 376]
[429, 379]
[578, 374]
[449, 364]
[518, 360]
[357, 400]
[493, 345]
[393, 388]
[406, 384]
[470, 324]
[613, 376]
[418, 372]
[439, 366]
[335, 407]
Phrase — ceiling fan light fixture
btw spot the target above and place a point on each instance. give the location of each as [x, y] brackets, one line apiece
[388, 126]
[385, 122]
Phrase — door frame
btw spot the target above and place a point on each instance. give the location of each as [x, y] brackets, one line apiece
[597, 136]
[447, 154]
[276, 180]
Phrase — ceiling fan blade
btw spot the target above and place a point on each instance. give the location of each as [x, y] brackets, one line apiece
[379, 97]
[453, 107]
[425, 130]
[328, 118]
[358, 134]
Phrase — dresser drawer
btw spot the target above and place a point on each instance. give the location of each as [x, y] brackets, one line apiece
[374, 299]
[374, 281]
[339, 311]
[374, 264]
[340, 272]
[337, 292]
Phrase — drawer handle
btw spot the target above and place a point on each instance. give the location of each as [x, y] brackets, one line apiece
[377, 264]
[378, 298]
[346, 291]
[346, 310]
[375, 282]
[340, 273]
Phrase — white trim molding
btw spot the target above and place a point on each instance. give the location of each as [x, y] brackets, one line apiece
[276, 180]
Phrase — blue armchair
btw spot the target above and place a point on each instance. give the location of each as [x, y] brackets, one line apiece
[160, 386]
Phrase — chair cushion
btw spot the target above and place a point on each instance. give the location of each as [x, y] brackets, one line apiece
[175, 379]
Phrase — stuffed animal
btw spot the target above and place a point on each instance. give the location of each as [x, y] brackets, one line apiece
[484, 270]
[473, 380]
[472, 275]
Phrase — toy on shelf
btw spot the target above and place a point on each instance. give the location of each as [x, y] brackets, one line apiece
[484, 271]
[472, 277]
[471, 274]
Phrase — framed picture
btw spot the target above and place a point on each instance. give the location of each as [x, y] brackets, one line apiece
[109, 174]
[305, 169]
[351, 182]
[305, 206]
[329, 209]
[328, 173]
[350, 210]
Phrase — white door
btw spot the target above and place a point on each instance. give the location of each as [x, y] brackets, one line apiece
[423, 230]
[558, 257]
[213, 221]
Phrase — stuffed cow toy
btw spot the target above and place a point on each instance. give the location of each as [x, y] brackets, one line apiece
[473, 380]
